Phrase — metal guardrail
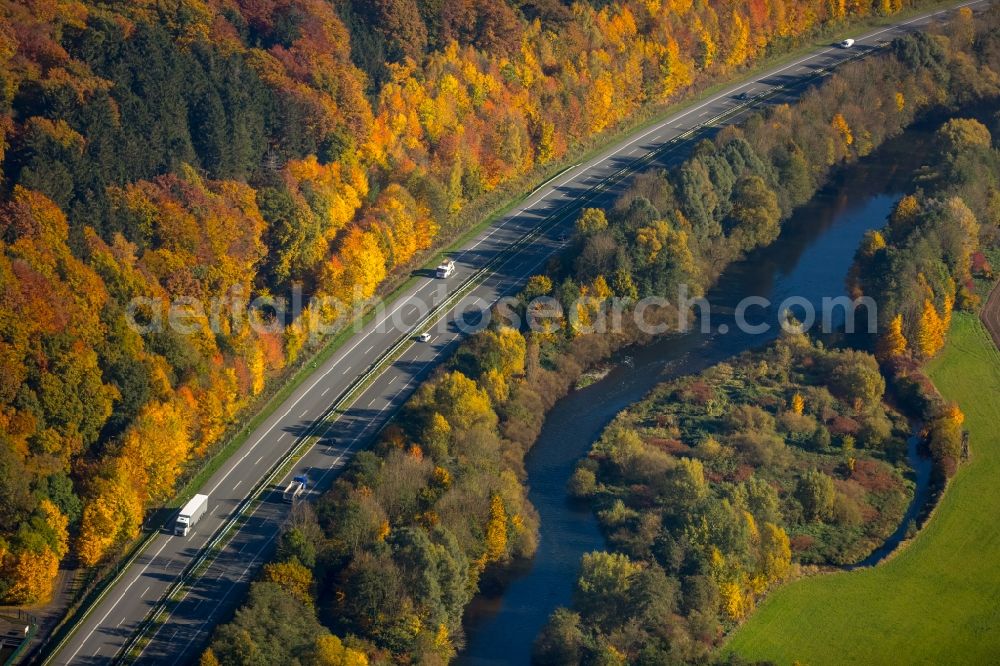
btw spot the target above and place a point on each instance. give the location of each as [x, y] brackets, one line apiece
[30, 629]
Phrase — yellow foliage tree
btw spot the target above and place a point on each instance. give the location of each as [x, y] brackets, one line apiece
[208, 658]
[893, 343]
[707, 48]
[740, 46]
[330, 651]
[97, 530]
[735, 603]
[441, 477]
[437, 435]
[905, 213]
[930, 331]
[496, 530]
[495, 385]
[513, 348]
[874, 241]
[56, 523]
[32, 572]
[649, 242]
[591, 221]
[384, 529]
[442, 640]
[357, 269]
[837, 9]
[32, 566]
[675, 69]
[334, 191]
[460, 400]
[538, 285]
[114, 514]
[296, 335]
[158, 443]
[798, 403]
[600, 102]
[839, 123]
[775, 551]
[254, 357]
[946, 311]
[546, 141]
[954, 415]
[293, 577]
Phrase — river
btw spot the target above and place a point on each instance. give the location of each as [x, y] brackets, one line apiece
[810, 259]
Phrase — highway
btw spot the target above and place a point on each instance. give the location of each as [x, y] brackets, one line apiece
[217, 588]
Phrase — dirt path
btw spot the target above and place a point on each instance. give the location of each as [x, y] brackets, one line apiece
[990, 314]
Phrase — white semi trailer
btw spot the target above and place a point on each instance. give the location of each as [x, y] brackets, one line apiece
[295, 488]
[190, 514]
[445, 269]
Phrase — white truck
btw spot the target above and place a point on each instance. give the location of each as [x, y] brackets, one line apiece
[295, 488]
[190, 514]
[445, 269]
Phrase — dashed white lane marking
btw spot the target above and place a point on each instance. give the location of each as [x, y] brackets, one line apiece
[237, 484]
[325, 391]
[115, 605]
[257, 462]
[304, 412]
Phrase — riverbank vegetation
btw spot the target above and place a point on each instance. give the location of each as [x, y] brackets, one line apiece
[717, 487]
[882, 608]
[937, 239]
[220, 151]
[923, 265]
[448, 474]
[673, 474]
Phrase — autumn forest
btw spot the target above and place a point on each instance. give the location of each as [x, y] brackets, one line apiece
[205, 149]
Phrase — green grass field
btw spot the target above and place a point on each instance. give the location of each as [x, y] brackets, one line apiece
[938, 600]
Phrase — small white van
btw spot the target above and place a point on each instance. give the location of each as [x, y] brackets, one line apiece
[847, 43]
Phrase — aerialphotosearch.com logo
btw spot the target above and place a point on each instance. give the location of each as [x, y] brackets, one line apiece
[654, 315]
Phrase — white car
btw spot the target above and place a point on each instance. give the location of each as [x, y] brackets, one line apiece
[847, 43]
[424, 337]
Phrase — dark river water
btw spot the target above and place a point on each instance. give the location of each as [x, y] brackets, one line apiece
[809, 260]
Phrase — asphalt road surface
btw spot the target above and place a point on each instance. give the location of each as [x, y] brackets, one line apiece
[214, 592]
